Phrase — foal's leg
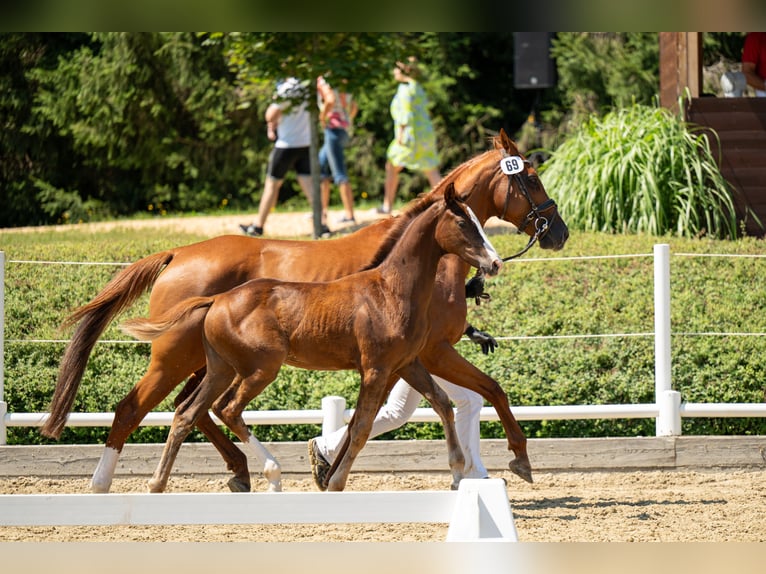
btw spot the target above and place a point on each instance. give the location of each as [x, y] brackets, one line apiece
[174, 357]
[444, 361]
[235, 459]
[372, 393]
[229, 407]
[417, 376]
[184, 420]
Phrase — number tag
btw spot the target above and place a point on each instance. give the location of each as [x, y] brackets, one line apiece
[512, 164]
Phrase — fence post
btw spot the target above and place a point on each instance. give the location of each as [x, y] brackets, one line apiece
[668, 401]
[482, 512]
[3, 404]
[332, 414]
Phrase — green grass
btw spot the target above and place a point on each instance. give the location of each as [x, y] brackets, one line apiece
[566, 296]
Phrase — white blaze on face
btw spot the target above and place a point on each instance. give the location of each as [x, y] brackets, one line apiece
[487, 243]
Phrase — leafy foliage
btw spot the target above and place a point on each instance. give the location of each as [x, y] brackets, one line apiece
[554, 302]
[153, 119]
[106, 125]
[604, 71]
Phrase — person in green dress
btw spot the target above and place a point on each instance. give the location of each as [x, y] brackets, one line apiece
[414, 143]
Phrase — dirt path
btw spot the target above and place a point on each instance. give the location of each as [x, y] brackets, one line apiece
[649, 506]
[297, 224]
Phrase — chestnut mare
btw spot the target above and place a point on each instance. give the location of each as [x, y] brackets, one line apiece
[221, 263]
[373, 322]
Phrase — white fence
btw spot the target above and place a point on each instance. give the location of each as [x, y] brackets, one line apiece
[667, 409]
[478, 511]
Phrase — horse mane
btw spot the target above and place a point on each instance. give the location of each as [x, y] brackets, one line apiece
[401, 223]
[496, 143]
[426, 199]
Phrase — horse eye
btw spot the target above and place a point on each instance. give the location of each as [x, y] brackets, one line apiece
[462, 223]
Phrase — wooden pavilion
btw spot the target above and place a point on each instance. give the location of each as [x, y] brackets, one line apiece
[739, 122]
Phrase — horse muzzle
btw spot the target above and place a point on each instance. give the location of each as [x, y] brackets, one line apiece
[493, 268]
[555, 236]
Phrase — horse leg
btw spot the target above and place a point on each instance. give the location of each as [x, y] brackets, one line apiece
[236, 460]
[372, 393]
[184, 420]
[468, 405]
[417, 376]
[229, 406]
[444, 361]
[165, 372]
[128, 413]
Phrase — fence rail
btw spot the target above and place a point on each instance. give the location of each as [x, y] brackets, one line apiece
[478, 511]
[668, 408]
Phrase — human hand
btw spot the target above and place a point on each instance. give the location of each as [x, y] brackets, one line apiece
[486, 341]
[475, 289]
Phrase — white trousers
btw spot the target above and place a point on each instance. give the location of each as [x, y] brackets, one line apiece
[401, 404]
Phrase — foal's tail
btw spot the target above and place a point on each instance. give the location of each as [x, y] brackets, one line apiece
[147, 330]
[93, 318]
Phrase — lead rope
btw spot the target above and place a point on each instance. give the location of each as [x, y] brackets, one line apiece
[477, 281]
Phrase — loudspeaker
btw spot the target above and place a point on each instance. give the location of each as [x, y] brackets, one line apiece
[533, 66]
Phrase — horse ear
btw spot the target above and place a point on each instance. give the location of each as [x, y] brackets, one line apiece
[508, 144]
[505, 141]
[450, 195]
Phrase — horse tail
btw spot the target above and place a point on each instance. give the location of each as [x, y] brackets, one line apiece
[93, 318]
[147, 330]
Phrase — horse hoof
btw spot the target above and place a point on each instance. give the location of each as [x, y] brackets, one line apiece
[97, 487]
[236, 484]
[456, 482]
[274, 487]
[273, 473]
[522, 468]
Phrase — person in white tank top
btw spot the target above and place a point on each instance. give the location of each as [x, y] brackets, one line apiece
[288, 124]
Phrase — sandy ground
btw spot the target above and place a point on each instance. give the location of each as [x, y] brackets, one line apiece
[648, 506]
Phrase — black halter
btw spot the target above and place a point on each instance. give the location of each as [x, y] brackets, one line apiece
[540, 221]
[534, 216]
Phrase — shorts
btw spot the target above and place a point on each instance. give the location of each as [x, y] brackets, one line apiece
[282, 159]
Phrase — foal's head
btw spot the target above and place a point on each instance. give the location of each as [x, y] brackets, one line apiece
[460, 232]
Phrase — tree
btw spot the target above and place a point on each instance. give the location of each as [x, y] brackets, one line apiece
[153, 121]
[362, 60]
[600, 72]
[30, 151]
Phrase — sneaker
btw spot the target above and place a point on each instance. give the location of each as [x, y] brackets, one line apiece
[346, 219]
[325, 232]
[382, 210]
[251, 230]
[320, 468]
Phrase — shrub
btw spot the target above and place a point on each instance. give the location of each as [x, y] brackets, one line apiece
[641, 170]
[548, 300]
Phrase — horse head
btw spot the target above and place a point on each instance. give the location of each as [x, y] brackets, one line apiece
[504, 184]
[459, 231]
[525, 203]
